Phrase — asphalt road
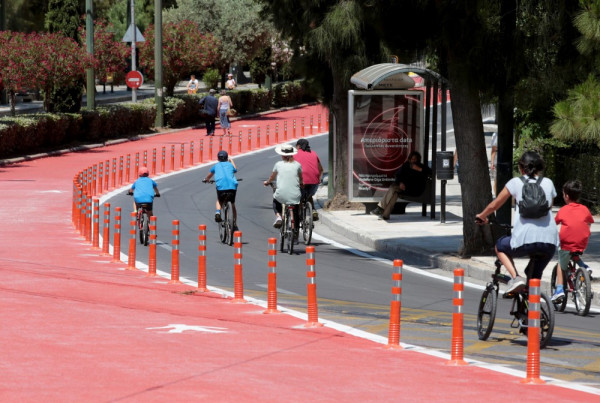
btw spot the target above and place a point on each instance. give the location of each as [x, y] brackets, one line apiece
[352, 289]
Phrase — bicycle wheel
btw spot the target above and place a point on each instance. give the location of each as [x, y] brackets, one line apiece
[289, 232]
[307, 223]
[582, 293]
[146, 228]
[546, 320]
[282, 232]
[140, 224]
[229, 223]
[222, 226]
[560, 306]
[486, 315]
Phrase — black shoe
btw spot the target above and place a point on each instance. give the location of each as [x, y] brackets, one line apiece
[218, 217]
[377, 211]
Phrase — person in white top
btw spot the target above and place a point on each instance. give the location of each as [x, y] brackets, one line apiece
[537, 236]
[192, 86]
[223, 107]
[230, 83]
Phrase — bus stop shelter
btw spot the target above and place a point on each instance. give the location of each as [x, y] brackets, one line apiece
[412, 99]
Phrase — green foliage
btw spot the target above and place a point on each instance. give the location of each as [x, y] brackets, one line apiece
[578, 116]
[119, 17]
[211, 78]
[63, 17]
[288, 93]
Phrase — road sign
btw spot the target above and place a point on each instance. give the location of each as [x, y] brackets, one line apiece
[134, 79]
[128, 37]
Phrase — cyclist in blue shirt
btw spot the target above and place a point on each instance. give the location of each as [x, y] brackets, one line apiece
[226, 183]
[144, 190]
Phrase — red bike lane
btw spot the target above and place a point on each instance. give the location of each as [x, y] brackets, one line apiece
[76, 326]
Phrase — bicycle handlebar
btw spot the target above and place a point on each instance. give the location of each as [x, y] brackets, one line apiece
[213, 181]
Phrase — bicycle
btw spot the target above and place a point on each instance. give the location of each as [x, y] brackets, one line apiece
[486, 313]
[227, 223]
[287, 231]
[305, 215]
[143, 221]
[577, 281]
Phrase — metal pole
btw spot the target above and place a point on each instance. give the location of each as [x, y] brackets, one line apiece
[89, 39]
[158, 70]
[133, 64]
[443, 133]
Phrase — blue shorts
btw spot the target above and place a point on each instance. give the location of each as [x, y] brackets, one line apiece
[544, 252]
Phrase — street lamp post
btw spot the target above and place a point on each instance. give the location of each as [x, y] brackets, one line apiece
[158, 59]
[89, 39]
[133, 50]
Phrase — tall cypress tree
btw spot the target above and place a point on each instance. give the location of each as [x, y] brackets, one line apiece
[63, 17]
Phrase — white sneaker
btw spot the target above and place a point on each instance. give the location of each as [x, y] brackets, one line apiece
[558, 296]
[515, 285]
[277, 223]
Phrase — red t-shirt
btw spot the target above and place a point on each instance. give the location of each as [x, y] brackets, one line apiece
[575, 220]
[310, 166]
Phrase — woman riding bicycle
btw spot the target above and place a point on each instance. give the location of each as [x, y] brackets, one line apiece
[312, 170]
[530, 236]
[289, 182]
[144, 190]
[226, 184]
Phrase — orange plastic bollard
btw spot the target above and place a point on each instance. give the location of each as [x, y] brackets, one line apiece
[285, 130]
[94, 179]
[456, 353]
[249, 139]
[202, 258]
[175, 254]
[77, 213]
[132, 231]
[395, 307]
[220, 143]
[83, 213]
[210, 149]
[191, 153]
[172, 157]
[117, 236]
[311, 125]
[96, 224]
[88, 219]
[240, 142]
[153, 161]
[267, 136]
[152, 247]
[238, 278]
[145, 162]
[277, 133]
[182, 156]
[120, 172]
[230, 147]
[311, 275]
[533, 334]
[258, 137]
[100, 177]
[319, 122]
[163, 163]
[201, 151]
[106, 230]
[302, 127]
[294, 129]
[272, 278]
[114, 173]
[127, 169]
[137, 166]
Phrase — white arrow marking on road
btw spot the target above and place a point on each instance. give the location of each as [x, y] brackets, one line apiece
[180, 328]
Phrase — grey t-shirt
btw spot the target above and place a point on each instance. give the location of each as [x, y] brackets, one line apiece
[288, 182]
[531, 230]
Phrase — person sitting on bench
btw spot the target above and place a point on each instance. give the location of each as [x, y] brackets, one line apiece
[411, 180]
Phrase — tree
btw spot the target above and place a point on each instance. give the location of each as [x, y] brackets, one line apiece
[16, 69]
[237, 24]
[110, 53]
[63, 17]
[185, 50]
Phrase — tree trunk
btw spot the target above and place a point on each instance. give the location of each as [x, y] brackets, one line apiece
[339, 113]
[476, 189]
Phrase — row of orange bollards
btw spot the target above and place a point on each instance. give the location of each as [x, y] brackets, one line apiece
[456, 350]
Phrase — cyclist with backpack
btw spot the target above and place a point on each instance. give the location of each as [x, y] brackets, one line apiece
[225, 182]
[534, 229]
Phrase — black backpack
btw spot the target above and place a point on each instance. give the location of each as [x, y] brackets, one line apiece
[533, 202]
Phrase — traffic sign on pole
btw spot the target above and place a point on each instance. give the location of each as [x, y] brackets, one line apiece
[134, 79]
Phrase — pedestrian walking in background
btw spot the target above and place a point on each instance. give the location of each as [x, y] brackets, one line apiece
[192, 86]
[224, 106]
[209, 112]
[230, 84]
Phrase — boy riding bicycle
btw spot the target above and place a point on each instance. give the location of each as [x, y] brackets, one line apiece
[144, 190]
[226, 184]
[575, 220]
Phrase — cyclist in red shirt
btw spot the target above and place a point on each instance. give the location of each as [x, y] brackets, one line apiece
[312, 171]
[575, 220]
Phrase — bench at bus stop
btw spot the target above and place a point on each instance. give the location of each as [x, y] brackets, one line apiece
[400, 207]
